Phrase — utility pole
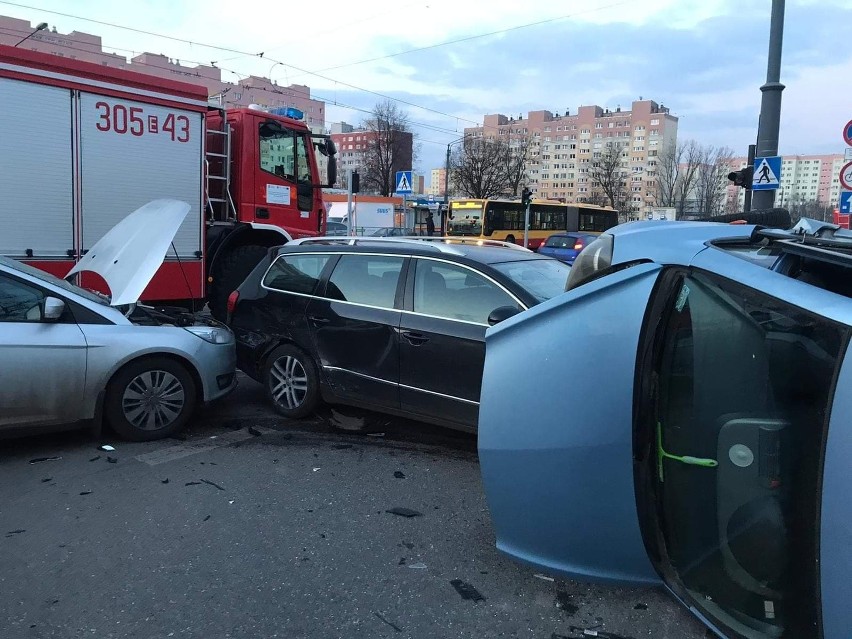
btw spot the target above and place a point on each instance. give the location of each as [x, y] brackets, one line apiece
[41, 27]
[770, 103]
[349, 202]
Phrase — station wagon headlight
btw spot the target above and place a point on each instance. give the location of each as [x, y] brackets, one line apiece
[591, 261]
[211, 334]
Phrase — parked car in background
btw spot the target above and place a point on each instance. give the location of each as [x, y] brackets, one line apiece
[565, 246]
[394, 325]
[700, 431]
[68, 355]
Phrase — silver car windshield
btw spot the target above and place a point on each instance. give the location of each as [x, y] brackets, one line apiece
[542, 278]
[53, 280]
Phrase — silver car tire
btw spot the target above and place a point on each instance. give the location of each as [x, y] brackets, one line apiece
[292, 382]
[149, 399]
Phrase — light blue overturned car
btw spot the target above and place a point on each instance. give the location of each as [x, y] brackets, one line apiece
[700, 434]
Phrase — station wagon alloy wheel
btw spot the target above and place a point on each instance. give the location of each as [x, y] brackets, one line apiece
[290, 382]
[153, 400]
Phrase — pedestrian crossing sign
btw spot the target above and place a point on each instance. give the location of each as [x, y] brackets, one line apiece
[767, 173]
[403, 182]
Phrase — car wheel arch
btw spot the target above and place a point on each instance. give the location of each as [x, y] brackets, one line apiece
[190, 367]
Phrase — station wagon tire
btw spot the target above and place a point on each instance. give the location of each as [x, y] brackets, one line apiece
[292, 382]
[231, 271]
[149, 399]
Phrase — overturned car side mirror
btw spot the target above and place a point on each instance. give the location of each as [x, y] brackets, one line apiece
[502, 313]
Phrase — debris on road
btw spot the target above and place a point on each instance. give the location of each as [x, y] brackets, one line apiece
[16, 532]
[254, 431]
[392, 625]
[107, 447]
[46, 479]
[466, 591]
[192, 483]
[346, 422]
[164, 481]
[418, 566]
[39, 460]
[211, 483]
[591, 632]
[399, 474]
[543, 577]
[206, 518]
[404, 512]
[86, 492]
[640, 606]
[112, 460]
[316, 469]
[563, 602]
[95, 458]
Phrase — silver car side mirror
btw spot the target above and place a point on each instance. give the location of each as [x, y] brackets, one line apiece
[53, 308]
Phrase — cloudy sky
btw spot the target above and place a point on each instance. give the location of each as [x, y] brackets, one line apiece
[452, 61]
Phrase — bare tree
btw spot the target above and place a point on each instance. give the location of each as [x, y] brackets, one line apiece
[677, 168]
[711, 179]
[516, 159]
[606, 176]
[691, 157]
[478, 168]
[389, 149]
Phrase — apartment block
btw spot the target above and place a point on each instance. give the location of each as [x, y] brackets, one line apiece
[352, 144]
[804, 178]
[241, 93]
[436, 185]
[564, 147]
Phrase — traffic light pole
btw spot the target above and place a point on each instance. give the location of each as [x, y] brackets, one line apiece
[527, 226]
[770, 103]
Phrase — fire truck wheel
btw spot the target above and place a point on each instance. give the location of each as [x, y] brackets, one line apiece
[233, 268]
[149, 399]
[292, 382]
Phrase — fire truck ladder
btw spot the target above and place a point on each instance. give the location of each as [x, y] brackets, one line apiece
[217, 163]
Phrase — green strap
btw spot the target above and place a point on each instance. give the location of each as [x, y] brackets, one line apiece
[683, 459]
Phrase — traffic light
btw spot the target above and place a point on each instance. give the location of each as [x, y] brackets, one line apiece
[356, 182]
[743, 177]
[526, 197]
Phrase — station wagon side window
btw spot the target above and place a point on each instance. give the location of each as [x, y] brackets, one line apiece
[735, 417]
[371, 280]
[455, 292]
[296, 273]
[19, 302]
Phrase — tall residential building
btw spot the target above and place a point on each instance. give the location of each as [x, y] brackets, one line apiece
[87, 47]
[436, 185]
[804, 179]
[352, 144]
[564, 147]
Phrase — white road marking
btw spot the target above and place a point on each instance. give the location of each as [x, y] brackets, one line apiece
[171, 453]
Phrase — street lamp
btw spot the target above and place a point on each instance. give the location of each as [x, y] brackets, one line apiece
[41, 27]
[447, 180]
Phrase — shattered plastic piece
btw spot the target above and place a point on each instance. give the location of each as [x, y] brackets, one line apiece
[640, 606]
[16, 532]
[543, 577]
[254, 431]
[95, 458]
[399, 474]
[230, 501]
[46, 479]
[418, 566]
[375, 434]
[192, 483]
[207, 517]
[112, 460]
[466, 591]
[589, 632]
[404, 512]
[107, 447]
[207, 481]
[86, 492]
[316, 469]
[39, 460]
[564, 603]
[164, 481]
[392, 625]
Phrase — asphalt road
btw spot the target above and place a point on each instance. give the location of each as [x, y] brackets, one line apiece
[256, 527]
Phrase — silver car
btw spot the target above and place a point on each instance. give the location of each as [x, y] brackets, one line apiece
[69, 357]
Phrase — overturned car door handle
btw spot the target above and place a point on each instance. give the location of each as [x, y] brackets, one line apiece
[415, 339]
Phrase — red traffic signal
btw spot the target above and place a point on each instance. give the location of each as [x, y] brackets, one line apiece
[743, 177]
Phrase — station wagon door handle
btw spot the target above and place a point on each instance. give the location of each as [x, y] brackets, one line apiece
[415, 339]
[318, 320]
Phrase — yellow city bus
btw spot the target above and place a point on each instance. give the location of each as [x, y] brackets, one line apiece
[504, 219]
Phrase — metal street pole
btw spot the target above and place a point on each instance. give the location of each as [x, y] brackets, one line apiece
[770, 103]
[349, 202]
[747, 207]
[446, 213]
[41, 27]
[527, 226]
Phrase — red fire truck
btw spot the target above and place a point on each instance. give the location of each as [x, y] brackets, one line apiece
[82, 145]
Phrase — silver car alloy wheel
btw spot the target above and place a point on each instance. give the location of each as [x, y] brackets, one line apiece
[153, 400]
[289, 382]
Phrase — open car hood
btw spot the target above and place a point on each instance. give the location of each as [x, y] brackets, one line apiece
[130, 253]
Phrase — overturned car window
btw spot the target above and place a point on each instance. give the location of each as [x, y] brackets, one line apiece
[738, 418]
